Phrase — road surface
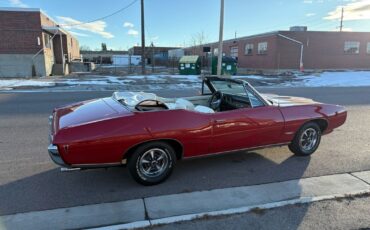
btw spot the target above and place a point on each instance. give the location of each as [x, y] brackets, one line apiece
[29, 180]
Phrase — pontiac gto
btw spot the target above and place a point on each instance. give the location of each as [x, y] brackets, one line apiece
[149, 133]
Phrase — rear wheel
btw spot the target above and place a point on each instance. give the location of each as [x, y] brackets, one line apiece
[152, 163]
[307, 140]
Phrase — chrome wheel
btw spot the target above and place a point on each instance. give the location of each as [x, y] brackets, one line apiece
[308, 139]
[153, 162]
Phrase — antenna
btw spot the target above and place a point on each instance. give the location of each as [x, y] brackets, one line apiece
[341, 20]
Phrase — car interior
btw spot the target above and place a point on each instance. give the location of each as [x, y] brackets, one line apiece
[217, 102]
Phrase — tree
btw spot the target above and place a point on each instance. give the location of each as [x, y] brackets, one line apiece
[104, 47]
[85, 48]
[197, 41]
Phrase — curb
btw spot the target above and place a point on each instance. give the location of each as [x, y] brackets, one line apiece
[226, 212]
[166, 209]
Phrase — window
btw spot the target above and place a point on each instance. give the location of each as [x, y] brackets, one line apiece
[368, 47]
[228, 87]
[352, 47]
[234, 52]
[255, 102]
[248, 49]
[262, 48]
[47, 41]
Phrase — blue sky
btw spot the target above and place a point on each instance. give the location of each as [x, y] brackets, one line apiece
[176, 22]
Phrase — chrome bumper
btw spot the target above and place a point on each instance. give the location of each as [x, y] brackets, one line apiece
[55, 156]
[53, 149]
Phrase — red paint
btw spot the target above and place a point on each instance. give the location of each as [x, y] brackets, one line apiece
[102, 131]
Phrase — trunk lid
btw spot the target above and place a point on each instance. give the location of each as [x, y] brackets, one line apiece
[87, 112]
[285, 101]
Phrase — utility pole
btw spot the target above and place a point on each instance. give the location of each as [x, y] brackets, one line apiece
[341, 20]
[152, 45]
[220, 40]
[142, 39]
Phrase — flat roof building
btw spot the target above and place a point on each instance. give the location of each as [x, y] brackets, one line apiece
[101, 57]
[296, 49]
[32, 44]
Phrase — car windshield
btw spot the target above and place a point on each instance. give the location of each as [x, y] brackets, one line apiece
[229, 87]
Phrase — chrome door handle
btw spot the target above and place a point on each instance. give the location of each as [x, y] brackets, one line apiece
[220, 121]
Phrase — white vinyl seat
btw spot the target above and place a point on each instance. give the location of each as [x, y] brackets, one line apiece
[184, 104]
[203, 109]
[170, 106]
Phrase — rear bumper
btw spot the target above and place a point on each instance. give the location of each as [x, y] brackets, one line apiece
[55, 156]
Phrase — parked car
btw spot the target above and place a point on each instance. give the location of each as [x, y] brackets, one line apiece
[149, 133]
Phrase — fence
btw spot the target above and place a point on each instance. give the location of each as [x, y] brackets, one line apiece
[122, 66]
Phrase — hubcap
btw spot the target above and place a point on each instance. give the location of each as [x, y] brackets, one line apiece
[153, 162]
[308, 139]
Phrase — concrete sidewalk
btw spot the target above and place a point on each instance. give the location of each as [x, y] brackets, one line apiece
[187, 206]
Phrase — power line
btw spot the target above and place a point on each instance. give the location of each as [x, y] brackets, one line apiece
[102, 18]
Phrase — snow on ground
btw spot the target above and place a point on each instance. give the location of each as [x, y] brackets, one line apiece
[185, 78]
[332, 79]
[106, 80]
[23, 82]
[157, 82]
[250, 77]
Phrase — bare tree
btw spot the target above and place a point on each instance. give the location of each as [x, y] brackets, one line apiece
[197, 42]
[85, 48]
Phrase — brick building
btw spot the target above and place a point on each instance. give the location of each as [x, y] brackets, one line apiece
[281, 50]
[32, 44]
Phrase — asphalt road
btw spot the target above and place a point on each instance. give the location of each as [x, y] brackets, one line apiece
[29, 180]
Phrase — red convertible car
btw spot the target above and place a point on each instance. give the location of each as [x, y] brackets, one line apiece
[149, 133]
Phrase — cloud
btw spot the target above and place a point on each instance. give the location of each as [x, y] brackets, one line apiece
[18, 3]
[347, 29]
[318, 1]
[357, 10]
[128, 25]
[97, 27]
[78, 34]
[310, 14]
[132, 32]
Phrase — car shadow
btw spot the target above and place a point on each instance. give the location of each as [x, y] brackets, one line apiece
[55, 189]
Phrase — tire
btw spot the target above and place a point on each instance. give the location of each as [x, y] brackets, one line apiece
[306, 140]
[147, 170]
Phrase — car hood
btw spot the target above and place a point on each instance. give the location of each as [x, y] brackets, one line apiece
[88, 111]
[284, 101]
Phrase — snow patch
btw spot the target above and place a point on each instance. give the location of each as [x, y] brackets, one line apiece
[333, 79]
[249, 77]
[21, 82]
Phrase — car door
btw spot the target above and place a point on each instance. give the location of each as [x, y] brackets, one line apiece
[246, 128]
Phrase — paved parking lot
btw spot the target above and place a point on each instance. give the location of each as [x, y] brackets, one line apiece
[29, 181]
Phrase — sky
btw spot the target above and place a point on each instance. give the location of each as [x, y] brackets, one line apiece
[178, 22]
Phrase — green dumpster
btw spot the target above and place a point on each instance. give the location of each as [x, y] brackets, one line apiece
[189, 65]
[229, 66]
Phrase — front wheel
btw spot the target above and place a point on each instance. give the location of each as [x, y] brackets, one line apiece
[152, 163]
[307, 140]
